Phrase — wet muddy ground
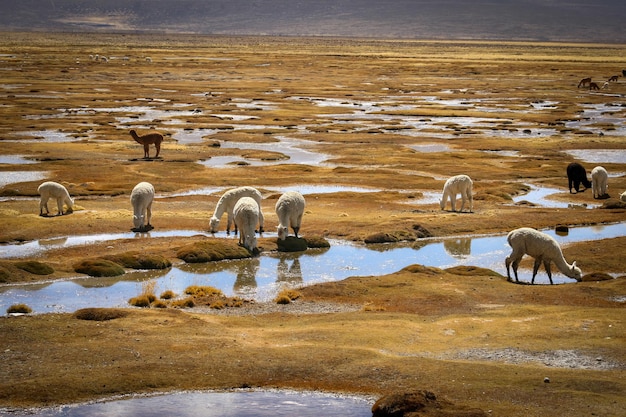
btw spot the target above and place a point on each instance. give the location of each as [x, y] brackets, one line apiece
[369, 131]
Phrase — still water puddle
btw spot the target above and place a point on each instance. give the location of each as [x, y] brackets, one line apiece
[219, 404]
[261, 278]
[599, 156]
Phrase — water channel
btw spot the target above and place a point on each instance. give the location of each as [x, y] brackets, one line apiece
[261, 278]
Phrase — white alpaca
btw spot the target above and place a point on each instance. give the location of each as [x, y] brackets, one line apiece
[459, 184]
[599, 181]
[544, 248]
[289, 209]
[246, 213]
[141, 199]
[227, 203]
[622, 196]
[51, 189]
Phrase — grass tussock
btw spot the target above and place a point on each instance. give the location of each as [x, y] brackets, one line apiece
[99, 268]
[35, 267]
[136, 260]
[286, 296]
[212, 250]
[19, 309]
[202, 291]
[99, 314]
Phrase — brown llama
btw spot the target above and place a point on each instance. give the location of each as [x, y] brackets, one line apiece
[147, 140]
[584, 82]
[614, 78]
[594, 86]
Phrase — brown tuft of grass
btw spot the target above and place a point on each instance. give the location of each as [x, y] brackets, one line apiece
[99, 314]
[286, 296]
[167, 295]
[212, 250]
[19, 309]
[202, 291]
[184, 303]
[140, 301]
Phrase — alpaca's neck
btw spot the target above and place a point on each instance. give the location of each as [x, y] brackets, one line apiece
[563, 266]
[137, 138]
[220, 208]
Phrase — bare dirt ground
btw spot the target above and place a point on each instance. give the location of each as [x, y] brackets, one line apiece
[504, 113]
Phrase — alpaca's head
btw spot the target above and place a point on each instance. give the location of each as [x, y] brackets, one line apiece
[251, 243]
[138, 221]
[282, 232]
[577, 274]
[214, 223]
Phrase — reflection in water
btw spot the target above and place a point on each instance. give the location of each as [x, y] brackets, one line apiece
[219, 404]
[458, 247]
[261, 278]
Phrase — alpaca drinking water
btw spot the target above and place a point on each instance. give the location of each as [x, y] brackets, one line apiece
[599, 182]
[51, 189]
[544, 248]
[289, 209]
[147, 140]
[576, 175]
[459, 184]
[227, 203]
[141, 199]
[246, 215]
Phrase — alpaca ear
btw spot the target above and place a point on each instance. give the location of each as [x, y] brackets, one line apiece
[574, 264]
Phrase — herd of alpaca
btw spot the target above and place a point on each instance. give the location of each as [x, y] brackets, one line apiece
[594, 86]
[243, 208]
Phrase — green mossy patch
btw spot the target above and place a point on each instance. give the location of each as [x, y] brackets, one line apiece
[99, 267]
[212, 250]
[292, 244]
[472, 271]
[317, 242]
[34, 267]
[135, 260]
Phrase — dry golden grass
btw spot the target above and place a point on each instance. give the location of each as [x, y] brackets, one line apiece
[417, 329]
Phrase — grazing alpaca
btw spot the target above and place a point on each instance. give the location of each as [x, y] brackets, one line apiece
[227, 203]
[147, 140]
[246, 214]
[459, 184]
[576, 175]
[289, 209]
[544, 248]
[593, 86]
[614, 78]
[51, 189]
[622, 197]
[141, 199]
[599, 179]
[584, 82]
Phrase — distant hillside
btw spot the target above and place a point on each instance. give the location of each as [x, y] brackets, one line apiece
[542, 20]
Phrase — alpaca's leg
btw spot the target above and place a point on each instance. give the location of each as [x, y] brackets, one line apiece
[507, 262]
[229, 222]
[60, 206]
[261, 221]
[146, 151]
[148, 214]
[471, 201]
[453, 201]
[546, 264]
[43, 204]
[157, 145]
[536, 268]
[462, 202]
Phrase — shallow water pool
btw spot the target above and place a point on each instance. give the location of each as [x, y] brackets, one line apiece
[261, 278]
[219, 404]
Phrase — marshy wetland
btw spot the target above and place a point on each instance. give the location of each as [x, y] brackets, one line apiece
[369, 131]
